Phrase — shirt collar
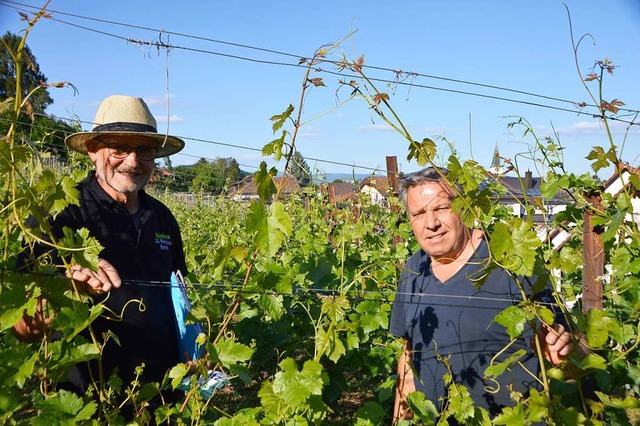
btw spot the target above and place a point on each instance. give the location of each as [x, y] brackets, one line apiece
[101, 195]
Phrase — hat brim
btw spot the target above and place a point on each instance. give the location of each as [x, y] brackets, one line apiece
[167, 145]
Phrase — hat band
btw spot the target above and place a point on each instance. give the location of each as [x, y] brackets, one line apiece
[122, 126]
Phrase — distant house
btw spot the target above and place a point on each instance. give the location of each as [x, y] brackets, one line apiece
[339, 192]
[525, 188]
[528, 187]
[245, 190]
[377, 188]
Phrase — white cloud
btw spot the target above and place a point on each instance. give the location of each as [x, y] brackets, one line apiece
[589, 129]
[309, 135]
[157, 100]
[439, 130]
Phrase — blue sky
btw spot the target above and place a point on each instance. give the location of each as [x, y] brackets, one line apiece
[518, 45]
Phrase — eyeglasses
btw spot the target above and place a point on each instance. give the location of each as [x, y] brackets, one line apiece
[120, 151]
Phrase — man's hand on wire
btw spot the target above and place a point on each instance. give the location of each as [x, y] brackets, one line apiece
[95, 283]
[557, 343]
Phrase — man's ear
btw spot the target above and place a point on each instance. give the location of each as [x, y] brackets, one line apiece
[92, 148]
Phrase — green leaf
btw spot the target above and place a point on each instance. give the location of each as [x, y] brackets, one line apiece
[596, 325]
[623, 403]
[538, 408]
[230, 352]
[73, 320]
[371, 413]
[66, 353]
[511, 416]
[279, 218]
[272, 305]
[568, 260]
[329, 344]
[294, 386]
[80, 238]
[549, 188]
[335, 307]
[177, 373]
[499, 368]
[612, 227]
[545, 314]
[424, 409]
[15, 301]
[63, 405]
[256, 219]
[622, 333]
[25, 370]
[500, 242]
[592, 361]
[244, 417]
[147, 391]
[423, 152]
[571, 416]
[514, 319]
[279, 119]
[221, 257]
[460, 403]
[241, 371]
[264, 182]
[275, 147]
[601, 158]
[273, 403]
[526, 241]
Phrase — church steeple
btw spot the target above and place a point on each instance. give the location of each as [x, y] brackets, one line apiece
[496, 163]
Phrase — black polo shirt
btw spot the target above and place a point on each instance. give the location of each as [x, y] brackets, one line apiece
[145, 250]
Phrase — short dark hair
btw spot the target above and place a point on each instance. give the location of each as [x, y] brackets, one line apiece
[429, 174]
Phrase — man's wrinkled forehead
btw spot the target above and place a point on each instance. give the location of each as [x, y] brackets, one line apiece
[438, 189]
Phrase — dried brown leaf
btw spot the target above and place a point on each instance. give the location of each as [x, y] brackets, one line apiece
[609, 107]
[591, 77]
[379, 97]
[358, 63]
[317, 81]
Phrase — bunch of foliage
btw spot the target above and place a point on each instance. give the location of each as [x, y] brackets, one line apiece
[295, 294]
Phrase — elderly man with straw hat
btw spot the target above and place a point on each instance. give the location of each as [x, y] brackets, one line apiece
[142, 247]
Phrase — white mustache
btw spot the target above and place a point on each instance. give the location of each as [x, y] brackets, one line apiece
[131, 171]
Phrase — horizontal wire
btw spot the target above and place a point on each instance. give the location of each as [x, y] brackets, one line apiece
[324, 60]
[299, 291]
[298, 65]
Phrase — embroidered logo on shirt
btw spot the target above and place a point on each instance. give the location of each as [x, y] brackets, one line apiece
[163, 241]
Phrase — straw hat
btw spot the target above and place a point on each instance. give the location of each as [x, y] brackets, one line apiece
[125, 116]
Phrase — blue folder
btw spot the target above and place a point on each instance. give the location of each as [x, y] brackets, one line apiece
[187, 333]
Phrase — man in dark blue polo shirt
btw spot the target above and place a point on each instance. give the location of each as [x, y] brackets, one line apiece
[141, 240]
[443, 316]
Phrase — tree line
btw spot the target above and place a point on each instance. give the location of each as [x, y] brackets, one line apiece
[35, 127]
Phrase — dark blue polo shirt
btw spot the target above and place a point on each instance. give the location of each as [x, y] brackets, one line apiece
[455, 320]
